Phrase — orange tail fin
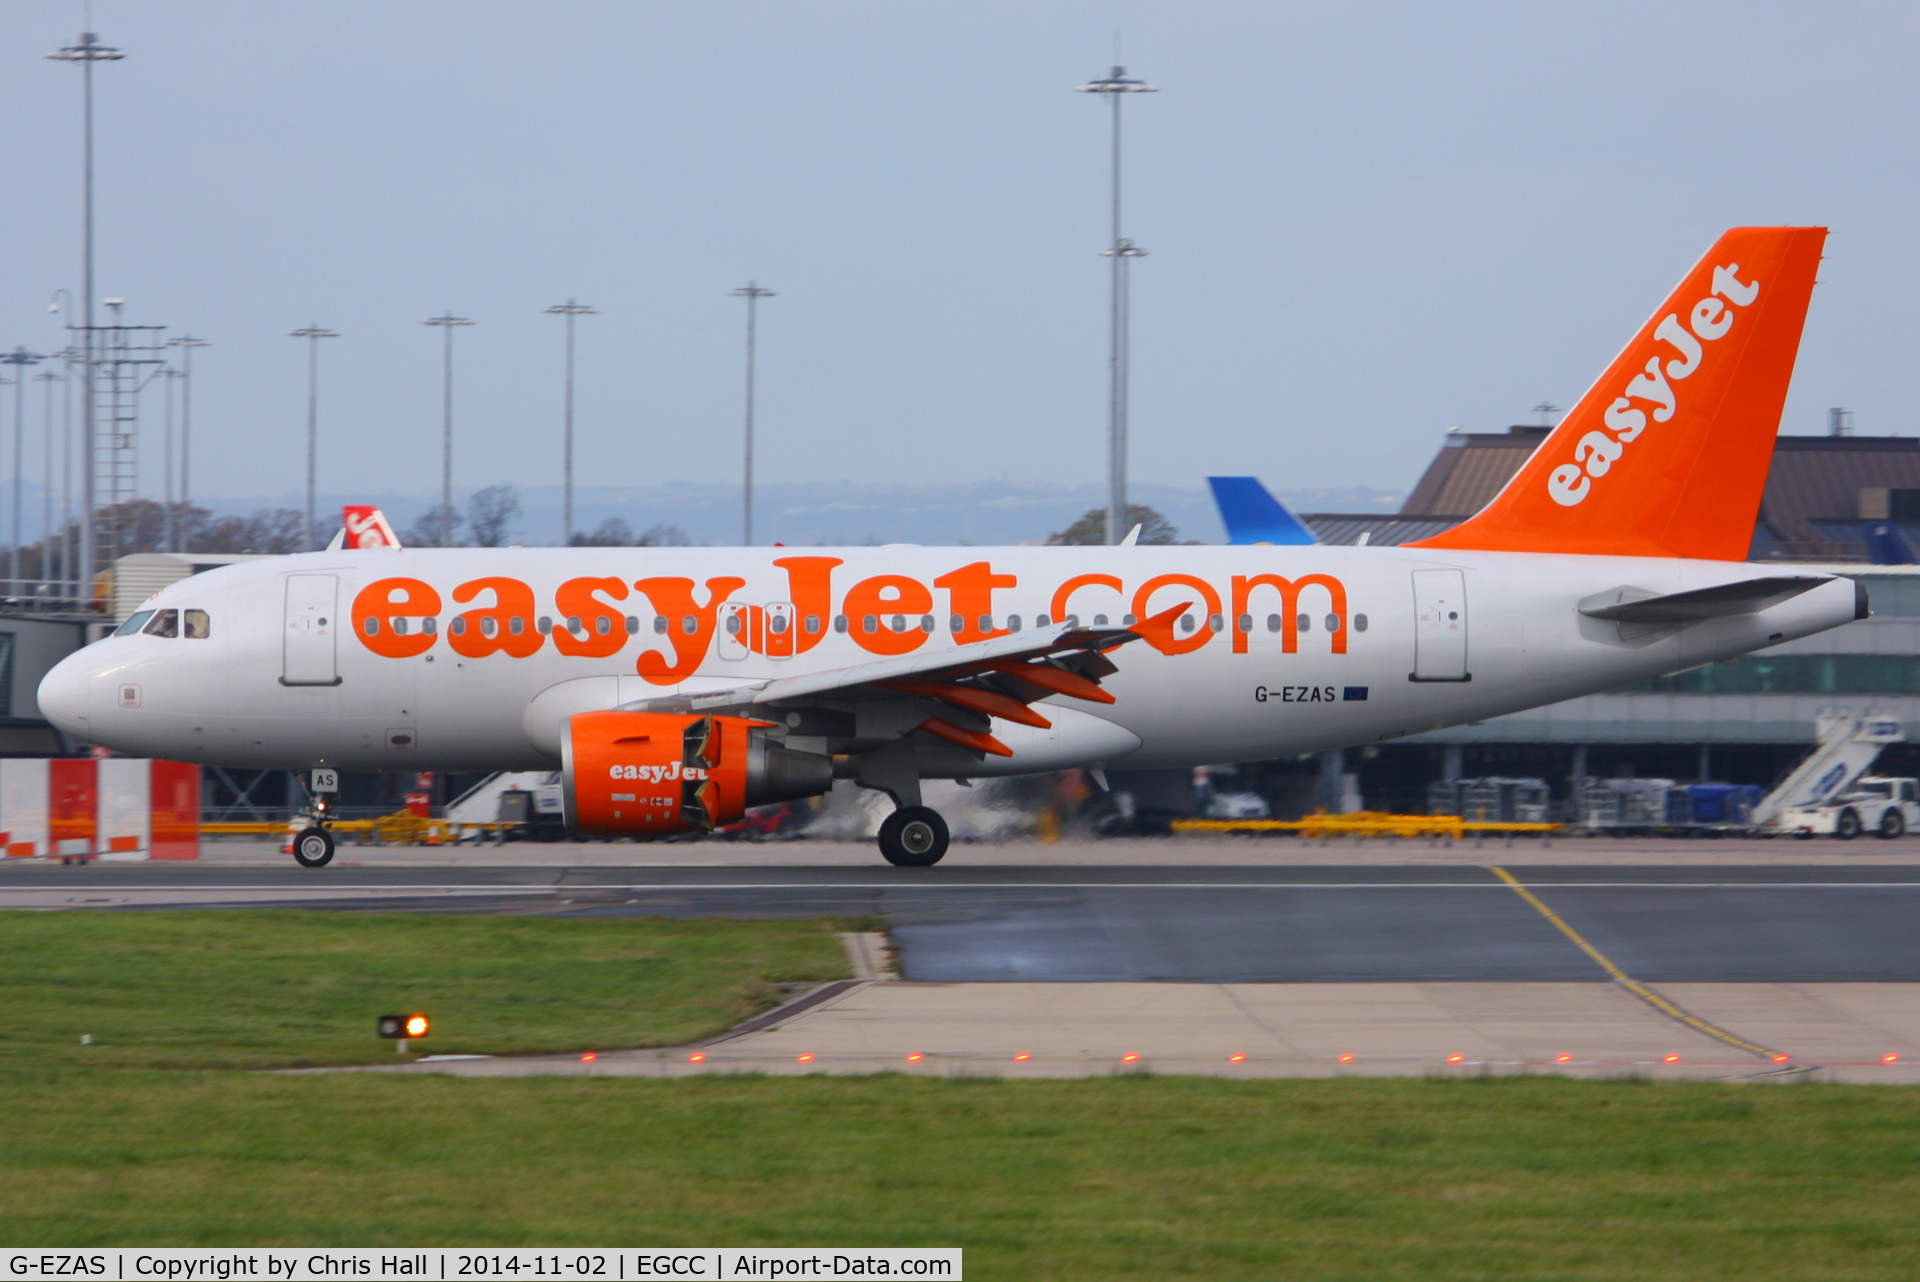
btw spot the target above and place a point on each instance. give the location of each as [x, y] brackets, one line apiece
[1668, 453]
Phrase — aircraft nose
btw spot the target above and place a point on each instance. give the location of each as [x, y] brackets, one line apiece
[63, 694]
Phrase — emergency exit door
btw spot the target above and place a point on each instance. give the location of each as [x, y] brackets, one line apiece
[307, 657]
[1440, 626]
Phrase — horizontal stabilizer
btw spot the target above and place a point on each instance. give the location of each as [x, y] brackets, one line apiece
[1636, 605]
[1252, 515]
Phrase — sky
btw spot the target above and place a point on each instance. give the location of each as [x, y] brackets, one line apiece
[1366, 222]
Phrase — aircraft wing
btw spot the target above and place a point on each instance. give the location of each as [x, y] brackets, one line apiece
[953, 694]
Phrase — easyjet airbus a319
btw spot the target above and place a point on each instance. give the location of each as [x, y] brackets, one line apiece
[674, 688]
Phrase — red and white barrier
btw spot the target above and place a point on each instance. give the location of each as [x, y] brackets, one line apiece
[111, 808]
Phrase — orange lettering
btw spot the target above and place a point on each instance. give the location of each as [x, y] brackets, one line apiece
[1065, 592]
[385, 602]
[810, 588]
[576, 600]
[1171, 644]
[970, 595]
[881, 599]
[506, 625]
[1243, 586]
[674, 599]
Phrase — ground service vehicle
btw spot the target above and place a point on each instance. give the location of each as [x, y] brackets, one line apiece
[674, 688]
[1884, 806]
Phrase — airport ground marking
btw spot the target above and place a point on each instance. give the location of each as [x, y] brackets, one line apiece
[357, 889]
[1628, 982]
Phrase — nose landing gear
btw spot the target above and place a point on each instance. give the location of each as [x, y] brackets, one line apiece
[913, 837]
[313, 847]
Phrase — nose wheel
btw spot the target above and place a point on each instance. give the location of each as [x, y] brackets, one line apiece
[913, 837]
[313, 847]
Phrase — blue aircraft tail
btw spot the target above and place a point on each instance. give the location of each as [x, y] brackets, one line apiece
[1252, 515]
[1888, 544]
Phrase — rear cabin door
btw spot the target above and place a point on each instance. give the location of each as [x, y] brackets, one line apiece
[1440, 625]
[307, 658]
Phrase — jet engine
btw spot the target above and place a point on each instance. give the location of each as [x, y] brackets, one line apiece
[653, 774]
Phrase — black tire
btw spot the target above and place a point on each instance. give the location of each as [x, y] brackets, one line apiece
[913, 837]
[313, 847]
[1892, 824]
[1848, 825]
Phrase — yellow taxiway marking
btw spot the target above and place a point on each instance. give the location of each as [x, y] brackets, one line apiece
[1628, 982]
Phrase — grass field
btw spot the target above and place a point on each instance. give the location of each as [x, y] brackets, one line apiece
[268, 989]
[1123, 1177]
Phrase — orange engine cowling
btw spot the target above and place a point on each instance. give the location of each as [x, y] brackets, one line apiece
[653, 774]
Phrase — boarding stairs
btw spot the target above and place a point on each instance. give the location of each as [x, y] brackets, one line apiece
[1847, 745]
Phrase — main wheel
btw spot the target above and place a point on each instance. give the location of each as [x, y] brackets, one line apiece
[913, 837]
[1893, 823]
[1847, 826]
[313, 848]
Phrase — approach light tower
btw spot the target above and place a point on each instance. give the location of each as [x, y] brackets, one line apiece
[86, 52]
[448, 323]
[313, 334]
[568, 309]
[1122, 251]
[753, 294]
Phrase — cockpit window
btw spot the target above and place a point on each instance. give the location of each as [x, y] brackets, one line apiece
[198, 628]
[164, 623]
[135, 621]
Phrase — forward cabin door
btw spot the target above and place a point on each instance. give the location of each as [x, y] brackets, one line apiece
[1440, 625]
[307, 658]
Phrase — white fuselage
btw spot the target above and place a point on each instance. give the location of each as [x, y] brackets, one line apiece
[1515, 639]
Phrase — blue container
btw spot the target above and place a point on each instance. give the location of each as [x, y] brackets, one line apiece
[1724, 803]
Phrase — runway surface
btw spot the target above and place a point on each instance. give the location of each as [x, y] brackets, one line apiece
[1195, 923]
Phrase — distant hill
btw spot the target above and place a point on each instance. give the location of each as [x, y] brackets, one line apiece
[804, 514]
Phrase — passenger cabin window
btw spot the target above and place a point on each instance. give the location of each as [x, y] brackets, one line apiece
[164, 623]
[135, 621]
[199, 628]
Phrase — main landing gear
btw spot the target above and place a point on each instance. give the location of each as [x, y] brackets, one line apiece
[913, 837]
